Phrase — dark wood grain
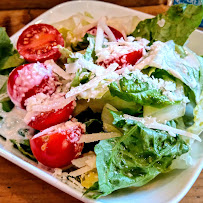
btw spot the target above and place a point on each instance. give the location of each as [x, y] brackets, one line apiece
[45, 4]
[19, 186]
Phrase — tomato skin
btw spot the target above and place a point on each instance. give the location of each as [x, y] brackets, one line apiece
[116, 33]
[27, 80]
[38, 41]
[47, 119]
[57, 149]
[127, 59]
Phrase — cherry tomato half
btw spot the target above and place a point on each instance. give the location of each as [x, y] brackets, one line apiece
[28, 80]
[47, 119]
[127, 59]
[38, 43]
[116, 33]
[57, 146]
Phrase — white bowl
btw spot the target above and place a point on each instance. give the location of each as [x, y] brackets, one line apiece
[170, 187]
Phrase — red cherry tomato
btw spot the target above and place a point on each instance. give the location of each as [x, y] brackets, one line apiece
[37, 43]
[116, 33]
[127, 59]
[47, 119]
[57, 146]
[28, 80]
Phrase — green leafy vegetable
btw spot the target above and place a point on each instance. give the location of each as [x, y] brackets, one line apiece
[8, 56]
[7, 104]
[6, 48]
[5, 101]
[91, 120]
[23, 132]
[81, 77]
[83, 44]
[134, 90]
[90, 53]
[11, 61]
[127, 107]
[136, 157]
[176, 24]
[197, 127]
[93, 125]
[188, 69]
[24, 148]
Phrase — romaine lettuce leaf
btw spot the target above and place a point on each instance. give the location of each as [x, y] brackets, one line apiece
[176, 24]
[8, 56]
[135, 90]
[188, 69]
[72, 29]
[197, 127]
[5, 101]
[136, 157]
[81, 77]
[24, 148]
[80, 45]
[90, 53]
[127, 107]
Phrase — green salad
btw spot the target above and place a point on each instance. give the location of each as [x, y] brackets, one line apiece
[106, 103]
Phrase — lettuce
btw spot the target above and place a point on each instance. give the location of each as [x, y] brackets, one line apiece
[176, 24]
[72, 29]
[81, 45]
[188, 69]
[9, 57]
[90, 53]
[24, 148]
[81, 77]
[135, 90]
[135, 158]
[197, 127]
[127, 107]
[5, 101]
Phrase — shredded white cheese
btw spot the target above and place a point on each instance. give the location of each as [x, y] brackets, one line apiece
[92, 83]
[99, 37]
[57, 69]
[87, 138]
[151, 122]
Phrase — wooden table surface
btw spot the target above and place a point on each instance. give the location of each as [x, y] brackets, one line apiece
[17, 185]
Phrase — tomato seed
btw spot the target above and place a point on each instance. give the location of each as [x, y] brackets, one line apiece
[44, 29]
[28, 35]
[43, 147]
[54, 44]
[39, 52]
[25, 42]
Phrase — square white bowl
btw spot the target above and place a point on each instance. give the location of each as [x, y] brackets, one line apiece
[170, 187]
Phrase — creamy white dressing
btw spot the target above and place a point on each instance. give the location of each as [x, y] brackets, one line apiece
[10, 125]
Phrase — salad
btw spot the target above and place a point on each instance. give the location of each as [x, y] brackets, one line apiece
[104, 104]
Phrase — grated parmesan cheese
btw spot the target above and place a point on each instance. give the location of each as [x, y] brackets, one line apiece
[92, 83]
[67, 126]
[87, 138]
[40, 103]
[57, 69]
[151, 122]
